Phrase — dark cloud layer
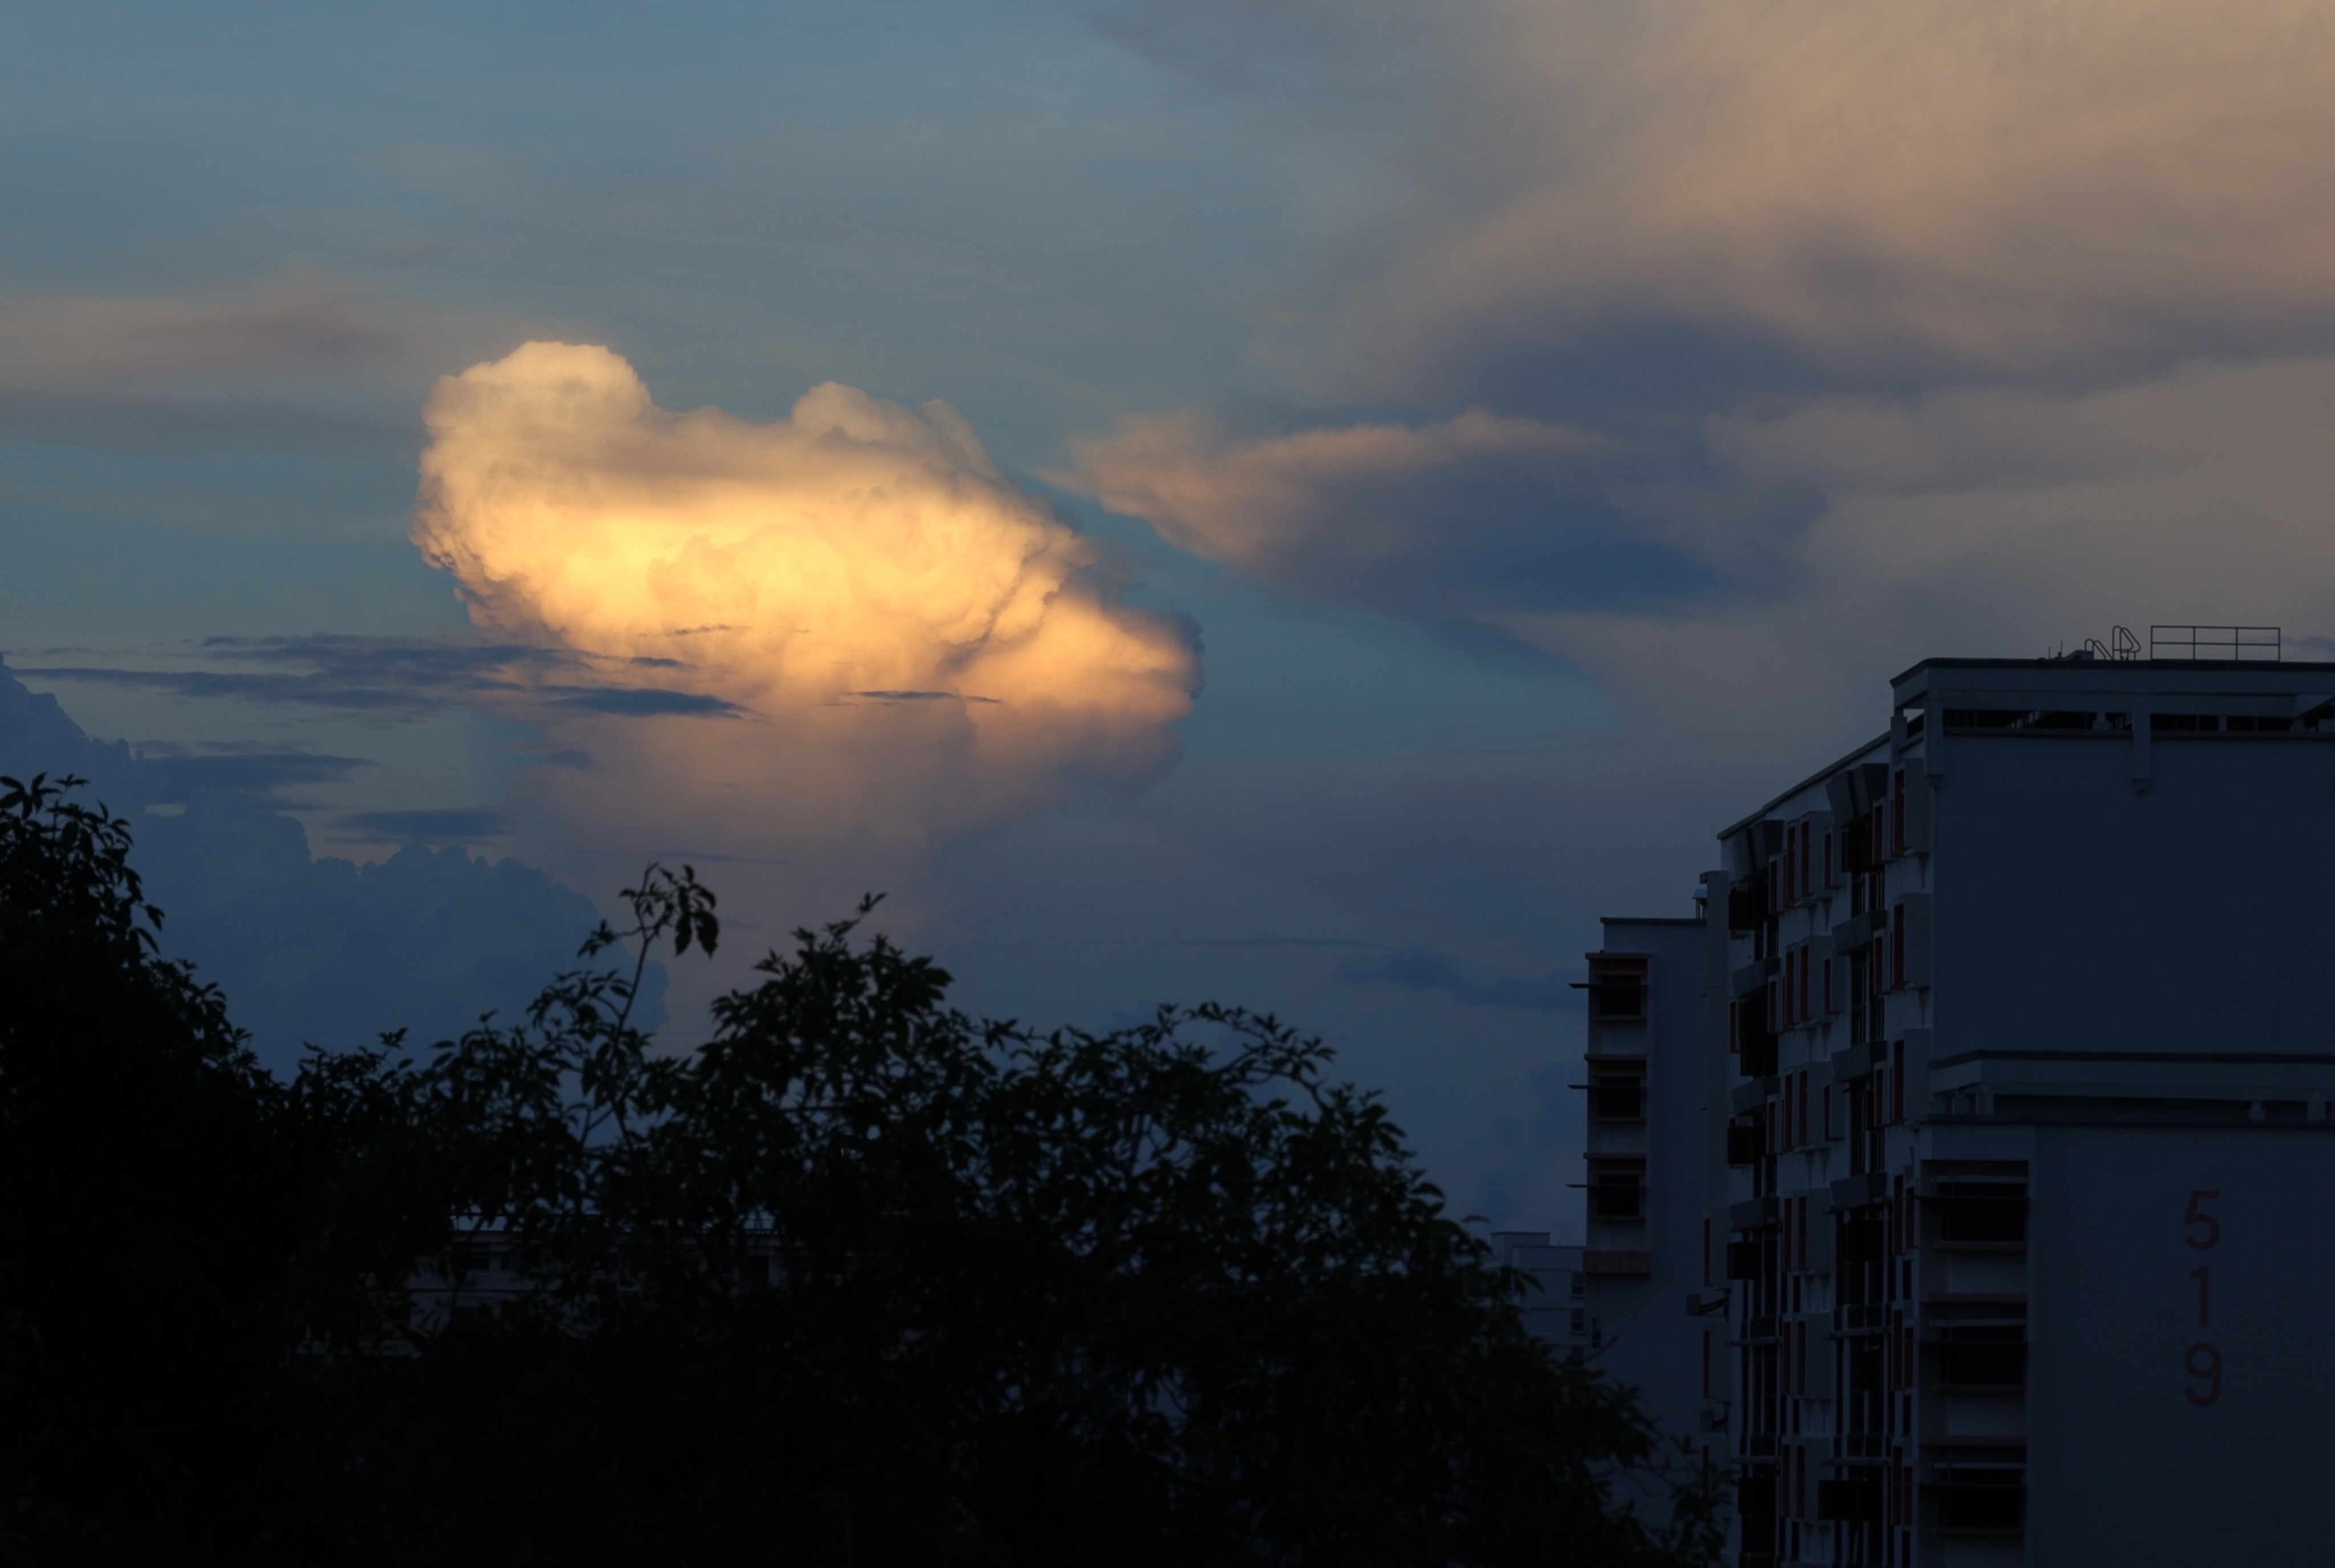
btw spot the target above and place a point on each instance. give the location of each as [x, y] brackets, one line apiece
[437, 825]
[403, 677]
[1430, 969]
[252, 774]
[317, 951]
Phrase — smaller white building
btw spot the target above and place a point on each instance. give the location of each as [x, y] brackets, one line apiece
[1556, 1310]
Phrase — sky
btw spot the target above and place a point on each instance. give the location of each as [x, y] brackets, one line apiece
[1304, 503]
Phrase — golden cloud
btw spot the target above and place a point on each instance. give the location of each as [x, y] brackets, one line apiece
[2004, 185]
[923, 648]
[1360, 511]
[1266, 503]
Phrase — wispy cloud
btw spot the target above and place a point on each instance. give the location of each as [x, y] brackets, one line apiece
[445, 825]
[1461, 517]
[251, 773]
[404, 677]
[292, 326]
[301, 358]
[1430, 969]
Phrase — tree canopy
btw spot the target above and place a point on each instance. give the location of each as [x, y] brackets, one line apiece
[859, 1279]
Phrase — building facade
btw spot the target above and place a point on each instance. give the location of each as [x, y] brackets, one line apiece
[2003, 1228]
[1557, 1308]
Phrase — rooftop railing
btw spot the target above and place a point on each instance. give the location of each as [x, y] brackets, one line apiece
[2242, 644]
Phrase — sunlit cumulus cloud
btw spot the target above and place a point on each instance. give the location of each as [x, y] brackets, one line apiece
[915, 646]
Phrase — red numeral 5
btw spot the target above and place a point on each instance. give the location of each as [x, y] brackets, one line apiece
[2198, 1217]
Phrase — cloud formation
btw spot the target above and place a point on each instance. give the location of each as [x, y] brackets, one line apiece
[1980, 521]
[1433, 969]
[315, 950]
[269, 363]
[2015, 187]
[403, 677]
[914, 645]
[1462, 517]
[428, 825]
[1909, 328]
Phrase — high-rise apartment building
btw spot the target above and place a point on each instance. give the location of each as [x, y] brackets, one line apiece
[1964, 1179]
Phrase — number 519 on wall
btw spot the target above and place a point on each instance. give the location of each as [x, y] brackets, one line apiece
[2202, 1363]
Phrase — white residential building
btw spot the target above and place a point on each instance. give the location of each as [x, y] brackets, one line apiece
[1556, 1310]
[1982, 1207]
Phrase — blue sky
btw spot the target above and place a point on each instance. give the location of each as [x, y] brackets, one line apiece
[1520, 437]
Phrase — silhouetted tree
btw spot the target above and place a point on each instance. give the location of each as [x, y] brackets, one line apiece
[150, 1200]
[862, 1280]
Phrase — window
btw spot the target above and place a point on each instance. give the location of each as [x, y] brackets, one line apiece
[1617, 990]
[1753, 1038]
[1987, 1500]
[1993, 1213]
[1983, 1357]
[1617, 1186]
[1853, 1502]
[1617, 1096]
[1616, 1197]
[1897, 813]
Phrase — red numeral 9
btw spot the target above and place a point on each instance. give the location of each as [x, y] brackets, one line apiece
[2203, 1363]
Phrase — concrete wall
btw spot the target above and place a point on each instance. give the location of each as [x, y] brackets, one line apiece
[1648, 1341]
[2074, 912]
[2124, 1466]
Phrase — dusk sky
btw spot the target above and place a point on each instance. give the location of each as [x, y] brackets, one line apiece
[1306, 503]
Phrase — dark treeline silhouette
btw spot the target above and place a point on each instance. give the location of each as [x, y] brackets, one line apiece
[860, 1281]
